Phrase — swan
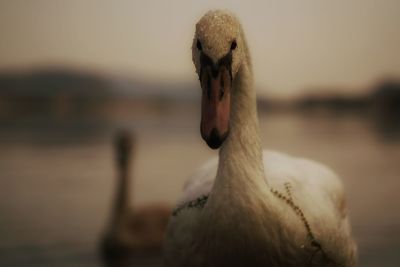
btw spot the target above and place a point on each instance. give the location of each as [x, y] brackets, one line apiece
[250, 207]
[131, 231]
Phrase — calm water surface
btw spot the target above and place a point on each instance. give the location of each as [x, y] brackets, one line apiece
[56, 187]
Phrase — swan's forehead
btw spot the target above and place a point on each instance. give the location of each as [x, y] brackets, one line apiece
[216, 30]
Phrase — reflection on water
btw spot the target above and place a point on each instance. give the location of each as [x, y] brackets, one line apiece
[56, 192]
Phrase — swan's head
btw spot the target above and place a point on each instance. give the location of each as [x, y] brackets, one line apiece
[218, 51]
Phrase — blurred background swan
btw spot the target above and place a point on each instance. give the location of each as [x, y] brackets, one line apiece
[72, 73]
[131, 233]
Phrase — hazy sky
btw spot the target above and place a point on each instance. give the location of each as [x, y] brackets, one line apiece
[295, 45]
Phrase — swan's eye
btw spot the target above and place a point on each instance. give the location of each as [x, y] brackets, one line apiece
[233, 45]
[198, 45]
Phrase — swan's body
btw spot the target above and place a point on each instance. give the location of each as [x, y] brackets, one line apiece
[249, 207]
[131, 231]
[324, 209]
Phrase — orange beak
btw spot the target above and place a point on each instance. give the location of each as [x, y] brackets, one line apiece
[215, 105]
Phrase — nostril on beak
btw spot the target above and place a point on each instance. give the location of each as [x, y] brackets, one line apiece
[209, 88]
[222, 90]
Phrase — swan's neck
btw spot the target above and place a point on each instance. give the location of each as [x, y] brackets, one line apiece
[240, 200]
[121, 197]
[240, 158]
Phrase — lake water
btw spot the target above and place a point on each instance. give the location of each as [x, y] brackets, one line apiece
[56, 185]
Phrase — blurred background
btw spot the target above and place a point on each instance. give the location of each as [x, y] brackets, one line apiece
[73, 73]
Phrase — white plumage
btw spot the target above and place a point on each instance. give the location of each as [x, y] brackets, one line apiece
[280, 168]
[249, 207]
